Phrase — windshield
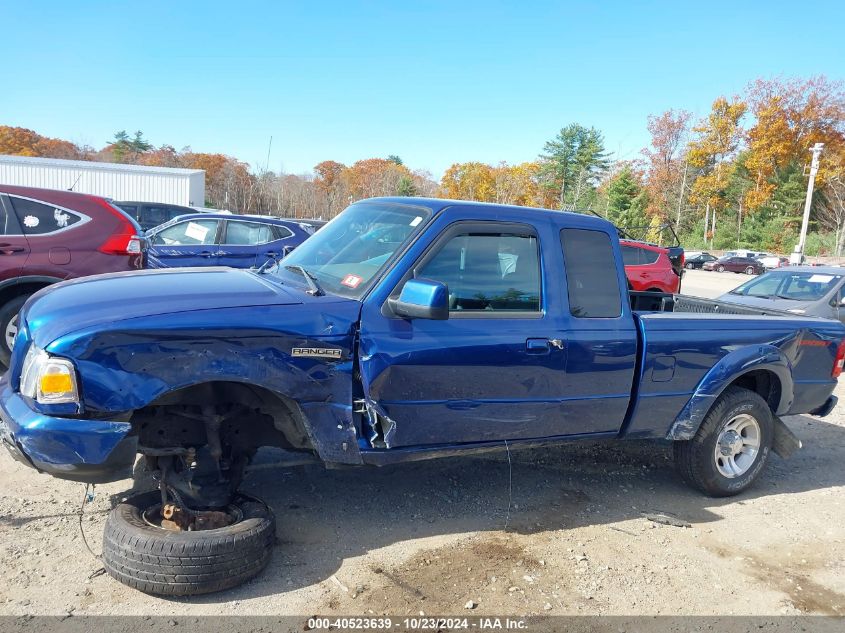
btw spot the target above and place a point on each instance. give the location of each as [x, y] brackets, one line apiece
[795, 286]
[349, 251]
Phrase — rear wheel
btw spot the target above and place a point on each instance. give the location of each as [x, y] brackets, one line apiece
[720, 268]
[689, 266]
[731, 446]
[139, 551]
[9, 326]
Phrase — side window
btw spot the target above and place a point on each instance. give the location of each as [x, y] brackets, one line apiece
[282, 232]
[247, 233]
[630, 255]
[8, 222]
[495, 272]
[648, 256]
[590, 274]
[188, 233]
[38, 218]
[156, 215]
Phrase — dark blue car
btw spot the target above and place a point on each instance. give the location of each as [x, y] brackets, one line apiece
[239, 241]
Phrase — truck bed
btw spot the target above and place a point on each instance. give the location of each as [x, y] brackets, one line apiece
[667, 302]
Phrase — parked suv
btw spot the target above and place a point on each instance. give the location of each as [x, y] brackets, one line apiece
[47, 236]
[208, 239]
[151, 214]
[652, 268]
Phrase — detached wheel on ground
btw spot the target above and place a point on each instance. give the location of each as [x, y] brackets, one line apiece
[140, 553]
[9, 326]
[731, 446]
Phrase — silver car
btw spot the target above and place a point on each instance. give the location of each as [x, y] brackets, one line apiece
[810, 290]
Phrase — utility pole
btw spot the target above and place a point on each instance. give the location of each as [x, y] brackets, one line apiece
[681, 199]
[798, 254]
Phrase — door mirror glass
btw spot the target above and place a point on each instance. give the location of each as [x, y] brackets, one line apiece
[422, 299]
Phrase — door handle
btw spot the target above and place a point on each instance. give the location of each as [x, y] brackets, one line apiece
[206, 254]
[8, 249]
[542, 345]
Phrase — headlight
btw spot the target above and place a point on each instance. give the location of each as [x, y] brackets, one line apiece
[48, 380]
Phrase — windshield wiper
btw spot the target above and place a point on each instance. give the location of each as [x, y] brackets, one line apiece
[266, 265]
[313, 285]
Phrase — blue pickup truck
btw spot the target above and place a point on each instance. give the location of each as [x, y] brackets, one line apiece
[405, 329]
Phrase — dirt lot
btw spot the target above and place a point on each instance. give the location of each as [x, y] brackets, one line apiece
[431, 536]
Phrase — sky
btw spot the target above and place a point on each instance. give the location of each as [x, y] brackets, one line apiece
[432, 82]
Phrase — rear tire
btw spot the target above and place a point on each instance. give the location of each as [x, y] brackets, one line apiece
[739, 417]
[689, 266]
[161, 562]
[720, 269]
[9, 326]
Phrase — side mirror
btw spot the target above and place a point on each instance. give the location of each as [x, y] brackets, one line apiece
[422, 299]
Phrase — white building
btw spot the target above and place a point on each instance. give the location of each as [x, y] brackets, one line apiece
[110, 180]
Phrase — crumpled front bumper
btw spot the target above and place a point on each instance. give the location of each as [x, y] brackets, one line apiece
[90, 451]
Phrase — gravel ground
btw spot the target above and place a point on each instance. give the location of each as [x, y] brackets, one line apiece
[434, 536]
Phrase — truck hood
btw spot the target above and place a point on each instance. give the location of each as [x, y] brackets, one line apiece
[91, 301]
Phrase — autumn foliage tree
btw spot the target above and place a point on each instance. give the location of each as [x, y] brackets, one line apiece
[712, 152]
[665, 163]
[19, 141]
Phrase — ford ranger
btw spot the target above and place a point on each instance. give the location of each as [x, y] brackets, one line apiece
[406, 329]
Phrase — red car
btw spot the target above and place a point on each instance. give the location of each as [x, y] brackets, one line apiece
[652, 268]
[47, 236]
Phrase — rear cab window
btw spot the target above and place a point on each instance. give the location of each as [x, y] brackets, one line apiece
[591, 276]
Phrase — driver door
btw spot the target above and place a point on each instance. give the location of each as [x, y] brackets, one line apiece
[508, 363]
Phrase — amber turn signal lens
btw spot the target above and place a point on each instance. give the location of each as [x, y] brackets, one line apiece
[56, 383]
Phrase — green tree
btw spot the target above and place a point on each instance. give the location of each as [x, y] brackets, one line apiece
[139, 144]
[120, 145]
[126, 148]
[572, 164]
[627, 200]
[393, 158]
[406, 186]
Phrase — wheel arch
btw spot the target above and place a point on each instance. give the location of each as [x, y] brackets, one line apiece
[764, 370]
[287, 416]
[24, 286]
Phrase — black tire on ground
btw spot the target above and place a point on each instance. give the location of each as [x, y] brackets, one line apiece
[161, 562]
[689, 266]
[8, 312]
[720, 269]
[695, 459]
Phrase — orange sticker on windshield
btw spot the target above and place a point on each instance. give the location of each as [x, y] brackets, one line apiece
[352, 281]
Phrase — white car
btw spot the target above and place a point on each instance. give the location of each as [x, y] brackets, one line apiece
[773, 261]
